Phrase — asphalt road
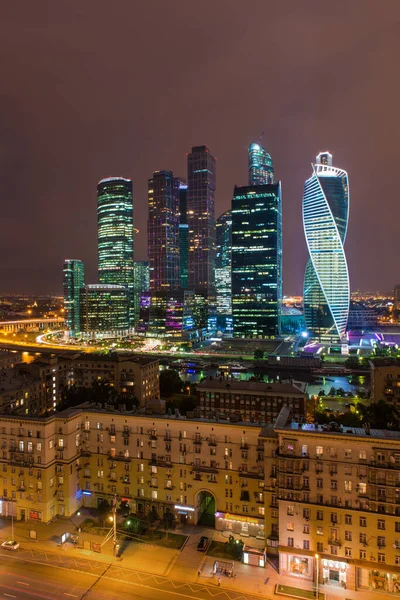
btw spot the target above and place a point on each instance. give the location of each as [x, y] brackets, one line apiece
[21, 579]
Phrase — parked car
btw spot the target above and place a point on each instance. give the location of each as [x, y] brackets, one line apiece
[10, 545]
[202, 545]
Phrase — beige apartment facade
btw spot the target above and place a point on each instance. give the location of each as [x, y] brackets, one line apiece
[385, 380]
[322, 500]
[335, 505]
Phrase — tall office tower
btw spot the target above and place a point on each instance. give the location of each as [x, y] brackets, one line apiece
[257, 260]
[115, 235]
[200, 207]
[141, 284]
[163, 231]
[326, 281]
[183, 235]
[261, 168]
[73, 282]
[223, 279]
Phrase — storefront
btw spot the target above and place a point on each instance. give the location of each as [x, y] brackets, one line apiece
[334, 572]
[8, 508]
[254, 556]
[184, 513]
[245, 526]
[296, 564]
[378, 580]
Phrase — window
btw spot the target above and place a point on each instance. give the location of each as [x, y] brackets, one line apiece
[290, 526]
[347, 552]
[363, 522]
[363, 455]
[381, 524]
[306, 514]
[290, 542]
[348, 519]
[320, 531]
[363, 554]
[290, 509]
[334, 518]
[381, 541]
[363, 538]
[320, 515]
[347, 536]
[306, 529]
[320, 483]
[397, 526]
[334, 549]
[381, 557]
[320, 547]
[347, 453]
[319, 451]
[397, 560]
[348, 486]
[154, 494]
[306, 544]
[362, 488]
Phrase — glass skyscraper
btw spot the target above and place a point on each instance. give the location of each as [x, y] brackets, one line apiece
[183, 235]
[73, 282]
[200, 210]
[105, 310]
[261, 168]
[163, 231]
[257, 260]
[326, 281]
[223, 279]
[115, 235]
[141, 284]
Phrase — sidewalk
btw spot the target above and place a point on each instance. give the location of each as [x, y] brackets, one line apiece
[180, 566]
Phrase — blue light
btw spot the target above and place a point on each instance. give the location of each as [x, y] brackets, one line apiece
[304, 334]
[87, 493]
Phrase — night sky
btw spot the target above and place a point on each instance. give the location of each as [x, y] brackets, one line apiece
[95, 88]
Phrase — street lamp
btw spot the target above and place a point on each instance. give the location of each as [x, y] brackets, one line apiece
[317, 576]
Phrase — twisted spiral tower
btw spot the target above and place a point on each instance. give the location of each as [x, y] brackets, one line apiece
[326, 281]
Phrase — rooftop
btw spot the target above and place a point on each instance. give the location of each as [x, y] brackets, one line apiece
[253, 386]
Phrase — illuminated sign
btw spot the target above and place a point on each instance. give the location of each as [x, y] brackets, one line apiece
[187, 508]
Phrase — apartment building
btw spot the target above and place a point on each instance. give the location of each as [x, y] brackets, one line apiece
[333, 498]
[385, 380]
[37, 387]
[248, 400]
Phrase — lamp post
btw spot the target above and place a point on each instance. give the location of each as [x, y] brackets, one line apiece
[114, 520]
[317, 576]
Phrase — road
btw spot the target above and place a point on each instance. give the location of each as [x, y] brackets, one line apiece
[25, 579]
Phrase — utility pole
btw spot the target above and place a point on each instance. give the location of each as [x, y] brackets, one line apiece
[317, 576]
[114, 509]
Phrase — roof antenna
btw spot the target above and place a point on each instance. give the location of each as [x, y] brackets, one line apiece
[259, 139]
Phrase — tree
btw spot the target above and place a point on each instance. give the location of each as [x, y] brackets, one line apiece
[133, 524]
[170, 383]
[235, 547]
[168, 522]
[103, 510]
[353, 362]
[258, 354]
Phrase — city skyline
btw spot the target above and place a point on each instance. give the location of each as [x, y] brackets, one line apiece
[76, 130]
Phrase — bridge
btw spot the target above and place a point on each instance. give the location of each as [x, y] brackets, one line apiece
[32, 325]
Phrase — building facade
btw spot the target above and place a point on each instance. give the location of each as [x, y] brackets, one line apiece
[105, 310]
[261, 168]
[73, 282]
[223, 276]
[115, 250]
[326, 281]
[141, 284]
[257, 260]
[200, 211]
[163, 231]
[183, 235]
[385, 380]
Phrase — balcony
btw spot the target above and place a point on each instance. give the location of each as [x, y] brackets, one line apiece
[244, 446]
[205, 469]
[335, 542]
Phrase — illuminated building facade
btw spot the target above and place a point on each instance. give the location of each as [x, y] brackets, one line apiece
[73, 282]
[105, 310]
[326, 280]
[163, 231]
[183, 235]
[200, 209]
[141, 284]
[115, 235]
[179, 314]
[261, 168]
[223, 278]
[257, 260]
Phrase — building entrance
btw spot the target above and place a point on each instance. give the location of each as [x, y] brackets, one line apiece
[206, 508]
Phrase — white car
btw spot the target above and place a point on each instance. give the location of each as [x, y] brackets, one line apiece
[10, 545]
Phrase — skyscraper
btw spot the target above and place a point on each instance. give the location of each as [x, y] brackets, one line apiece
[201, 220]
[73, 282]
[326, 281]
[163, 231]
[104, 310]
[115, 235]
[183, 235]
[261, 168]
[141, 284]
[257, 260]
[223, 279]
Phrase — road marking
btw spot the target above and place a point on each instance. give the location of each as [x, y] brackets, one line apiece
[72, 595]
[23, 583]
[9, 595]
